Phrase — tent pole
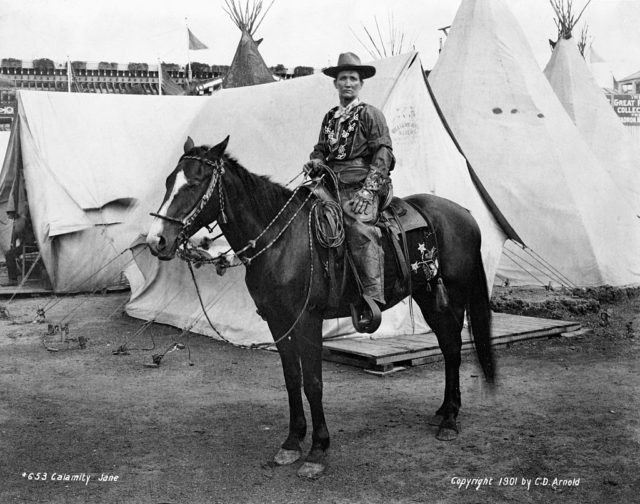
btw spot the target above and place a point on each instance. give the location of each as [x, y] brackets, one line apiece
[68, 75]
[188, 53]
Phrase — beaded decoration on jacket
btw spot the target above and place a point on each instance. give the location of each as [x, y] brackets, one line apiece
[339, 132]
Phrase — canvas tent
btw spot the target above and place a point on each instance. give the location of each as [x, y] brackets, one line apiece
[594, 117]
[5, 223]
[247, 68]
[600, 69]
[87, 161]
[531, 158]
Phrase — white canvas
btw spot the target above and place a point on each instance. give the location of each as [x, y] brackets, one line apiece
[594, 117]
[529, 154]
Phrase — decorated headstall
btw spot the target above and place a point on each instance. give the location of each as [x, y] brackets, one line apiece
[189, 219]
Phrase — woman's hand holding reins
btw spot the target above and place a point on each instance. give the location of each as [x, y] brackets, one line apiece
[313, 168]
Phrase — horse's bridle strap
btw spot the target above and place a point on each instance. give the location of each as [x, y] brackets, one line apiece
[218, 170]
[166, 217]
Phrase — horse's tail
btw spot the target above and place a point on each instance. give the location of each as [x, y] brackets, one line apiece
[480, 315]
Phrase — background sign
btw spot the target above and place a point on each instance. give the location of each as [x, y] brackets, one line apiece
[7, 109]
[628, 108]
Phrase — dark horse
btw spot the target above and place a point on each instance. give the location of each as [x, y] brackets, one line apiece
[287, 281]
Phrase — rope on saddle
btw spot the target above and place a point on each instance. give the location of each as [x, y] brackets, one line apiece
[328, 223]
[327, 213]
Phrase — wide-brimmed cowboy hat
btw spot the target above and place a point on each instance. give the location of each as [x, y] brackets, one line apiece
[349, 61]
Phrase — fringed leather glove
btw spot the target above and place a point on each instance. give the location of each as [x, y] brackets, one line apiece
[371, 187]
[361, 201]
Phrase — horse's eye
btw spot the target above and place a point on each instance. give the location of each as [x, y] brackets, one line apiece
[194, 172]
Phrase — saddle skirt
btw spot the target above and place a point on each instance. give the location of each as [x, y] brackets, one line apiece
[399, 218]
[407, 258]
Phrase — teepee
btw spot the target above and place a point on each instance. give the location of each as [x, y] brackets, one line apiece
[247, 68]
[533, 161]
[600, 68]
[590, 110]
[379, 46]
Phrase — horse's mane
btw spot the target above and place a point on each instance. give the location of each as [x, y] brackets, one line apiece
[264, 195]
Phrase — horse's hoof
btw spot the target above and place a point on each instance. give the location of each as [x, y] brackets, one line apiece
[435, 420]
[286, 457]
[311, 470]
[445, 434]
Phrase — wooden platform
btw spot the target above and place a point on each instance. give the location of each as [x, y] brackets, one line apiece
[29, 288]
[385, 353]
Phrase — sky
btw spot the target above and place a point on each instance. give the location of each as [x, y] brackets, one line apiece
[296, 32]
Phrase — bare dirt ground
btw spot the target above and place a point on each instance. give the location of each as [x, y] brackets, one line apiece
[562, 425]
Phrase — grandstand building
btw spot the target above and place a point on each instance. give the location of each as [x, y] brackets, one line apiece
[111, 78]
[84, 77]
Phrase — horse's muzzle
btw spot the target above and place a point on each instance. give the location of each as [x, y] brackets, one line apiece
[160, 248]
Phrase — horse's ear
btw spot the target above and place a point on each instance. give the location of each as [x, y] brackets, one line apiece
[218, 150]
[188, 145]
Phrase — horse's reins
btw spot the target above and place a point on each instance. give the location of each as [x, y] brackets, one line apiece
[187, 222]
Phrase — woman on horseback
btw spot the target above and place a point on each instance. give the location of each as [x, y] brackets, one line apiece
[354, 142]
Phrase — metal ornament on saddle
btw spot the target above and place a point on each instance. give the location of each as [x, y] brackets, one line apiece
[399, 262]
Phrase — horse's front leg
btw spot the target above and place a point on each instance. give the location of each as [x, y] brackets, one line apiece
[308, 338]
[291, 449]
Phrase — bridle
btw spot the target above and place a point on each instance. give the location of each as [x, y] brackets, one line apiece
[187, 222]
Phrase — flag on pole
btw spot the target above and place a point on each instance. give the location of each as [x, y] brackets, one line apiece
[194, 43]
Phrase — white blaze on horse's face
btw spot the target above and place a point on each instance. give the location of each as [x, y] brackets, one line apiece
[157, 226]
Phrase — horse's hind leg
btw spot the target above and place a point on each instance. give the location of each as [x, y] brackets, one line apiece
[291, 449]
[447, 325]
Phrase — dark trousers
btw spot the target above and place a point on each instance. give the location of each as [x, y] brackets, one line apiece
[364, 242]
[12, 266]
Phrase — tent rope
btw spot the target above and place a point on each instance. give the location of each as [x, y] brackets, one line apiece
[100, 287]
[506, 254]
[548, 272]
[122, 348]
[50, 304]
[550, 266]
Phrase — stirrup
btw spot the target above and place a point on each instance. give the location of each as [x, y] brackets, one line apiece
[366, 315]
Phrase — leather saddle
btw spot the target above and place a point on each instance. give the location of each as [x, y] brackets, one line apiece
[396, 218]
